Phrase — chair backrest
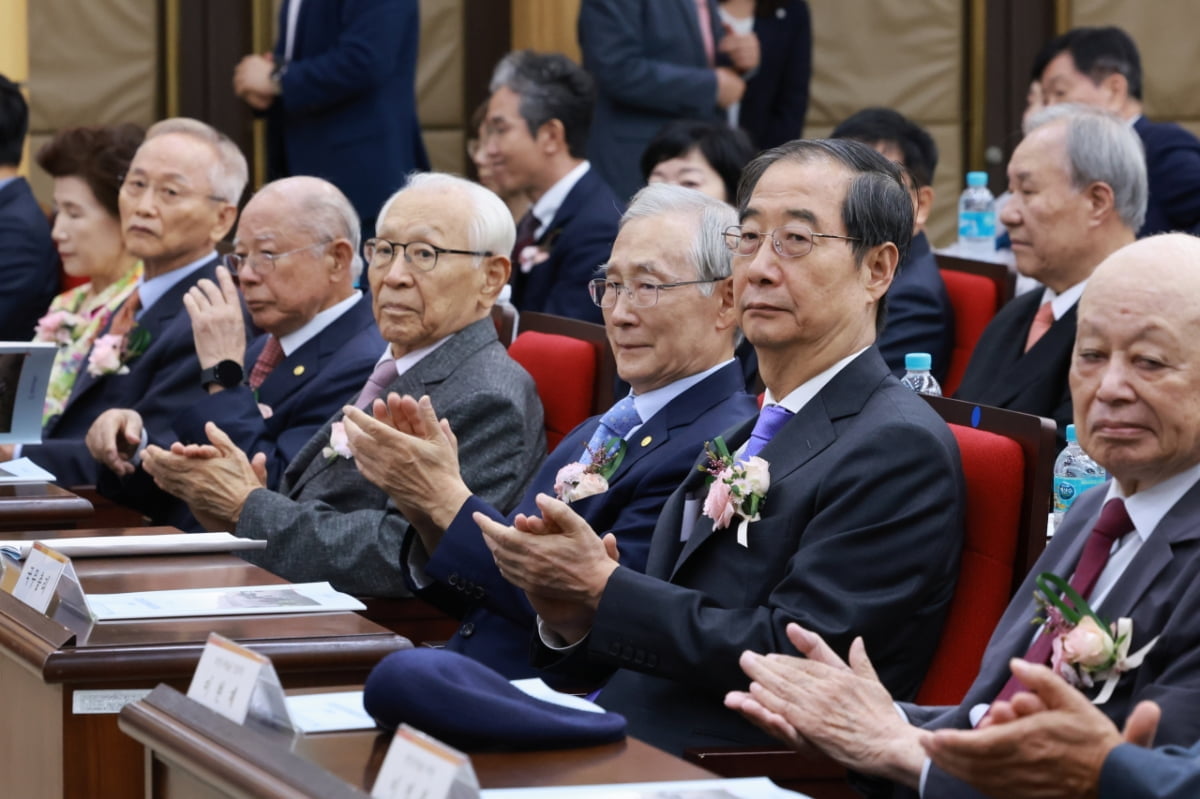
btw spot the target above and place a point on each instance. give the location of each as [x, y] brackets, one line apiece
[596, 337]
[564, 371]
[504, 317]
[977, 291]
[1007, 460]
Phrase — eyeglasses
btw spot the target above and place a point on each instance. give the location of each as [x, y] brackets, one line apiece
[420, 254]
[263, 263]
[165, 194]
[642, 295]
[789, 241]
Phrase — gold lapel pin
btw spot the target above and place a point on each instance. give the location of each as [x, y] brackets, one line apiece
[299, 370]
[646, 441]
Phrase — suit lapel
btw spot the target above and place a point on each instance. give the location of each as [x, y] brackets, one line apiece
[1025, 368]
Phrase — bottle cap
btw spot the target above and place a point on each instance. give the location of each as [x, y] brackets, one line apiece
[1071, 437]
[916, 361]
[977, 178]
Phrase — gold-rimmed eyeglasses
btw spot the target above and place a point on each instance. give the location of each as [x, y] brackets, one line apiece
[789, 241]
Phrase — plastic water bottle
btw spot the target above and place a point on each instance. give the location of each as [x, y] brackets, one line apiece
[977, 219]
[917, 376]
[1074, 473]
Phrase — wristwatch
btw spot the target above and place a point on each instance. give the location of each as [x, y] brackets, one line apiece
[226, 374]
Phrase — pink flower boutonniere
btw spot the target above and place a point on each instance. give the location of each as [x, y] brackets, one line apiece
[535, 254]
[580, 480]
[734, 488]
[1085, 650]
[338, 445]
[111, 354]
[58, 327]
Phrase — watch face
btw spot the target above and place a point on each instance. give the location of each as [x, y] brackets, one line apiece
[228, 373]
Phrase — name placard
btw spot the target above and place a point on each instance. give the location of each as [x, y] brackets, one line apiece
[241, 685]
[417, 765]
[40, 576]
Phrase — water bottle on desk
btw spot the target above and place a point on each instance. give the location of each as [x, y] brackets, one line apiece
[977, 219]
[917, 375]
[1074, 473]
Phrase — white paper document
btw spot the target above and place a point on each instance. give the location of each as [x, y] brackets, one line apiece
[100, 546]
[23, 470]
[329, 712]
[230, 601]
[539, 690]
[24, 376]
[745, 788]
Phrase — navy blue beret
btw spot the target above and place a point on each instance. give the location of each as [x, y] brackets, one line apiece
[470, 706]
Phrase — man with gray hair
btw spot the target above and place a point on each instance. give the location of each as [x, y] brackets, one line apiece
[668, 308]
[296, 263]
[435, 270]
[178, 199]
[1078, 182]
[534, 136]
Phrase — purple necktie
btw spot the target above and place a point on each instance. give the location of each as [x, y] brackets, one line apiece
[1113, 523]
[616, 422]
[385, 372]
[770, 420]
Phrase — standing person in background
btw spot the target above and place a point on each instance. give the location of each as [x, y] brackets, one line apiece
[339, 96]
[87, 165]
[776, 100]
[27, 263]
[654, 61]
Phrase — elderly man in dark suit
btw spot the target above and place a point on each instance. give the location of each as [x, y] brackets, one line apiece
[178, 200]
[296, 258]
[673, 341]
[1078, 183]
[1101, 67]
[839, 504]
[534, 134]
[339, 95]
[28, 263]
[435, 271]
[1128, 548]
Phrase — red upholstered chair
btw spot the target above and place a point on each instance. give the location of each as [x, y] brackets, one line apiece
[977, 290]
[564, 370]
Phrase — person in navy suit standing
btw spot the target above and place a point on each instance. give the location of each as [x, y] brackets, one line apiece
[534, 136]
[28, 264]
[339, 96]
[668, 308]
[1101, 67]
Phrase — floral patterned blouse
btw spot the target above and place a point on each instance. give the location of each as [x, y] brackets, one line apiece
[74, 321]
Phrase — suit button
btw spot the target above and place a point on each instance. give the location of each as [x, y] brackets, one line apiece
[467, 630]
[614, 649]
[626, 652]
[453, 580]
[651, 660]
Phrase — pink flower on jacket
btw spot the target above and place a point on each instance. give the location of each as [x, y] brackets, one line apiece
[339, 445]
[57, 326]
[105, 357]
[719, 503]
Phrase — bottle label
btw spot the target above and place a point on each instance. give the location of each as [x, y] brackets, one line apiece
[977, 225]
[1066, 489]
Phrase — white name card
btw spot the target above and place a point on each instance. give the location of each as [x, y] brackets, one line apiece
[225, 677]
[420, 767]
[40, 576]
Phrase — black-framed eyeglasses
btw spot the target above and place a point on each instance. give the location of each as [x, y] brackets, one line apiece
[420, 254]
[164, 193]
[642, 295]
[789, 241]
[263, 263]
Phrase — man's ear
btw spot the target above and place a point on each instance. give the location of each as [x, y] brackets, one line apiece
[879, 268]
[1116, 86]
[727, 315]
[496, 270]
[226, 216]
[924, 207]
[1101, 200]
[343, 257]
[552, 137]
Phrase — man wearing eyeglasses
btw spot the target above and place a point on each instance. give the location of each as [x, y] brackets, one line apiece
[435, 270]
[295, 260]
[177, 201]
[668, 310]
[858, 526]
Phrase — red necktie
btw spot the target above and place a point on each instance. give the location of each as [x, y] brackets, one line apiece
[126, 316]
[1113, 523]
[1041, 323]
[525, 238]
[268, 359]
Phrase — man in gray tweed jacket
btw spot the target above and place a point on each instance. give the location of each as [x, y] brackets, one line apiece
[435, 272]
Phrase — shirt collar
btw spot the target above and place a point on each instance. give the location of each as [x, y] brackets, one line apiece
[800, 396]
[1061, 303]
[410, 359]
[654, 401]
[1147, 508]
[152, 290]
[298, 338]
[546, 208]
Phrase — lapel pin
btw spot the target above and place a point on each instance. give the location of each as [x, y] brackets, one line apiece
[299, 370]
[646, 441]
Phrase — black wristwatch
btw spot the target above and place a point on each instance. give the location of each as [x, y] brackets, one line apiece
[226, 374]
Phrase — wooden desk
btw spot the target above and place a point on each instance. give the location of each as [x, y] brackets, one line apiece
[40, 506]
[46, 750]
[192, 753]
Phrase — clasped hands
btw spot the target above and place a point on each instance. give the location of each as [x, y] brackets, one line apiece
[252, 81]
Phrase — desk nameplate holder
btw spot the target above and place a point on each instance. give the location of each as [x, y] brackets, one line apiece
[241, 685]
[417, 764]
[46, 583]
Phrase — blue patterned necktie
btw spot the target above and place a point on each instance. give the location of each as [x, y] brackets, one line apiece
[770, 420]
[616, 422]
